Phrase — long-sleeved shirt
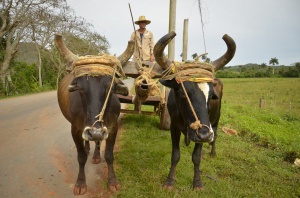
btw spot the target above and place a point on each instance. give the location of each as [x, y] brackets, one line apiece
[144, 45]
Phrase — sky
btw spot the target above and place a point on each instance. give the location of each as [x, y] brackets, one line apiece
[262, 29]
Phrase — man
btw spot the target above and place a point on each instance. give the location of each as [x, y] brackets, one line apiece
[144, 42]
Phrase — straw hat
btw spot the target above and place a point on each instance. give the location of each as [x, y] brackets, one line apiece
[142, 18]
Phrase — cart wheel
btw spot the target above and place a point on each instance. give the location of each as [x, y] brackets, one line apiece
[165, 120]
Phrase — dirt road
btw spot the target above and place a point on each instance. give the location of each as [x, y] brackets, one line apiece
[38, 157]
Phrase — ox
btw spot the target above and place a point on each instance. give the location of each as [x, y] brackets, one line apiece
[81, 98]
[205, 104]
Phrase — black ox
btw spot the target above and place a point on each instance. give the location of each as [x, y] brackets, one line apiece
[206, 101]
[81, 99]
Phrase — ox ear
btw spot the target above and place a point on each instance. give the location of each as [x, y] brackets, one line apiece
[73, 86]
[214, 96]
[169, 83]
[217, 89]
[120, 88]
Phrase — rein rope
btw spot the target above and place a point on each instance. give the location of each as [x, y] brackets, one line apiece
[101, 114]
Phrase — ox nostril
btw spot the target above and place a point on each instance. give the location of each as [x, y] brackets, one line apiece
[86, 135]
[144, 85]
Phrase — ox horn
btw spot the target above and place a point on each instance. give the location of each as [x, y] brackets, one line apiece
[67, 55]
[123, 58]
[223, 60]
[159, 49]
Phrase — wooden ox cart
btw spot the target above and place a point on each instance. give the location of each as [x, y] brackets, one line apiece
[146, 75]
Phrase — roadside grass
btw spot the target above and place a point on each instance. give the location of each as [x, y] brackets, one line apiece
[251, 164]
[276, 125]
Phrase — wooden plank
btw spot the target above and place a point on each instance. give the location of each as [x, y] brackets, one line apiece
[137, 112]
[151, 100]
[131, 69]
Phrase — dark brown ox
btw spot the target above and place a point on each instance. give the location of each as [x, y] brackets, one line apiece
[205, 99]
[81, 99]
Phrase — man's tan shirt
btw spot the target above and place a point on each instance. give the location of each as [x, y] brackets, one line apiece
[144, 47]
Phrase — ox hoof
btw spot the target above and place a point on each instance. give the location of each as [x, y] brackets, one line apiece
[199, 188]
[212, 155]
[168, 187]
[114, 187]
[80, 190]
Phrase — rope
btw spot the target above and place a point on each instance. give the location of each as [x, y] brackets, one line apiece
[199, 3]
[145, 74]
[101, 114]
[189, 101]
[97, 66]
[195, 125]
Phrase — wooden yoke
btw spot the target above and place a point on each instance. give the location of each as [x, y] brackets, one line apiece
[131, 69]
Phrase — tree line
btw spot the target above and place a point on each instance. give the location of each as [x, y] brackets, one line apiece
[260, 71]
[36, 22]
[255, 70]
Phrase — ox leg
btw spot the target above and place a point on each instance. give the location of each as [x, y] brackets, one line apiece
[213, 143]
[87, 147]
[80, 186]
[175, 135]
[196, 158]
[113, 183]
[96, 156]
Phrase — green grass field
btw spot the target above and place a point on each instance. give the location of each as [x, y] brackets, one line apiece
[255, 163]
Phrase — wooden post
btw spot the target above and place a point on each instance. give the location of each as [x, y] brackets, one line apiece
[185, 39]
[172, 21]
[262, 103]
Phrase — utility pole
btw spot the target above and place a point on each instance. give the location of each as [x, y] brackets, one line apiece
[172, 21]
[185, 39]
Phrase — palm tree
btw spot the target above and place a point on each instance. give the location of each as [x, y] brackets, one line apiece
[274, 61]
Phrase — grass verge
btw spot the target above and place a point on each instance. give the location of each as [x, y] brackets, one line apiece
[251, 164]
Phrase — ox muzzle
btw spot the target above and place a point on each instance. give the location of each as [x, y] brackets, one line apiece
[205, 134]
[95, 134]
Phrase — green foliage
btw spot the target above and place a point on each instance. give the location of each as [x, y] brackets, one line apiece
[24, 77]
[258, 71]
[297, 65]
